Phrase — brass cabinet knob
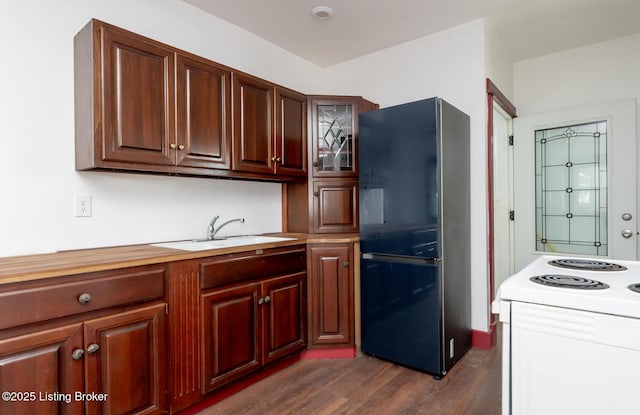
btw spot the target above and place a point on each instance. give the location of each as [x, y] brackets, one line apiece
[181, 147]
[267, 300]
[93, 348]
[84, 298]
[273, 159]
[77, 354]
[172, 146]
[279, 160]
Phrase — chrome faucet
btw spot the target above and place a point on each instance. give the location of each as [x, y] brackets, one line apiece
[212, 230]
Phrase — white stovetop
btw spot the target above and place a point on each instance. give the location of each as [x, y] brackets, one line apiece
[617, 299]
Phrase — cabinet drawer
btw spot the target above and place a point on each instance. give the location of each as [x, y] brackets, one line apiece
[234, 269]
[35, 303]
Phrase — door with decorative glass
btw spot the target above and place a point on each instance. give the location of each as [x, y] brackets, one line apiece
[333, 132]
[575, 183]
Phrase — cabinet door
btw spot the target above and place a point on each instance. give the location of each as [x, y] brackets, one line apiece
[231, 327]
[138, 98]
[203, 91]
[291, 135]
[284, 312]
[331, 294]
[335, 206]
[42, 363]
[334, 132]
[253, 125]
[125, 359]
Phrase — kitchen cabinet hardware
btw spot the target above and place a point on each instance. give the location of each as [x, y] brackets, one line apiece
[181, 147]
[93, 348]
[172, 146]
[260, 301]
[77, 354]
[84, 298]
[345, 264]
[316, 194]
[267, 300]
[315, 164]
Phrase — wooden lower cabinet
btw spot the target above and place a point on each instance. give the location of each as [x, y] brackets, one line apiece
[125, 361]
[41, 364]
[331, 295]
[109, 365]
[247, 326]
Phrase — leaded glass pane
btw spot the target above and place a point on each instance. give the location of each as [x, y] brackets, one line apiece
[335, 137]
[571, 189]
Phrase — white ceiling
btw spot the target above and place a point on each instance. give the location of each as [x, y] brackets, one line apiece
[526, 28]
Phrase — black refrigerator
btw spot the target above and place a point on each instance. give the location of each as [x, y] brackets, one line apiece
[415, 234]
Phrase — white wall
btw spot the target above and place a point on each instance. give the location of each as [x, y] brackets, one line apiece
[37, 176]
[598, 73]
[498, 64]
[449, 64]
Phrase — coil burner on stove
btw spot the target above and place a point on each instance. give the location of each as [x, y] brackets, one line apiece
[635, 288]
[568, 281]
[586, 264]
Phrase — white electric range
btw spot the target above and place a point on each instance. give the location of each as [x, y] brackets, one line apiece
[571, 337]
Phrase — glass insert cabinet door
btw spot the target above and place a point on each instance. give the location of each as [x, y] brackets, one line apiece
[571, 189]
[334, 135]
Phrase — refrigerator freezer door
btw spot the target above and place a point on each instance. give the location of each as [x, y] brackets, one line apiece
[401, 313]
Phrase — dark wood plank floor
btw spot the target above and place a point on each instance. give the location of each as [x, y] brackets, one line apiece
[366, 385]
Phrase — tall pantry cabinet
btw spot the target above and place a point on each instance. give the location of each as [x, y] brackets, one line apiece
[328, 204]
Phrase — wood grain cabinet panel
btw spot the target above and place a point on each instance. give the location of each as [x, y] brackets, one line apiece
[126, 361]
[335, 206]
[203, 91]
[42, 363]
[291, 133]
[253, 125]
[231, 325]
[285, 315]
[137, 91]
[331, 295]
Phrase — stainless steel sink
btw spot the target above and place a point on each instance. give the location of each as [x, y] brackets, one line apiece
[233, 241]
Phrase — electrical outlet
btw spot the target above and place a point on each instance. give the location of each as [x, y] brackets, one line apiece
[82, 205]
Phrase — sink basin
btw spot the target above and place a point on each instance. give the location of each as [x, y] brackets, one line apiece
[221, 243]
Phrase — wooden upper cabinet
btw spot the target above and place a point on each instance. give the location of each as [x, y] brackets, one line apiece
[334, 132]
[335, 206]
[291, 133]
[203, 94]
[269, 128]
[137, 91]
[253, 125]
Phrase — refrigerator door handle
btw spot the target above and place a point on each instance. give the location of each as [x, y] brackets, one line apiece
[402, 259]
